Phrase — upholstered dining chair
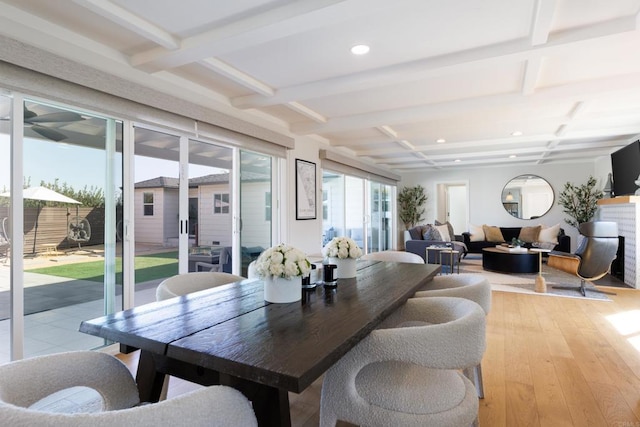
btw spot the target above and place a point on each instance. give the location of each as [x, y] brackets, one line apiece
[394, 256]
[23, 384]
[592, 260]
[409, 376]
[474, 287]
[182, 284]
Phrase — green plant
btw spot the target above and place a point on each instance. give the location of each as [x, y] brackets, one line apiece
[410, 201]
[580, 202]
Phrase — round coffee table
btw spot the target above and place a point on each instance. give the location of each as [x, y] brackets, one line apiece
[510, 262]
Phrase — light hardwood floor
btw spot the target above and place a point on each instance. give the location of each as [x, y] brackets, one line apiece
[550, 361]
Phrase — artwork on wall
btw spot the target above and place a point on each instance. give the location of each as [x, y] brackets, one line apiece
[305, 189]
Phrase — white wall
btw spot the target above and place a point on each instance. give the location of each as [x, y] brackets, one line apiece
[486, 184]
[305, 235]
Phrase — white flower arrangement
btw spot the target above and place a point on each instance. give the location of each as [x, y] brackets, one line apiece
[282, 261]
[342, 247]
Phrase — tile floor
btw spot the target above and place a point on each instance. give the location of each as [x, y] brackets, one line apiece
[56, 330]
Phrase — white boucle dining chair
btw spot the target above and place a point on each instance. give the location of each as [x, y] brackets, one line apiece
[474, 287]
[394, 256]
[26, 382]
[408, 376]
[183, 284]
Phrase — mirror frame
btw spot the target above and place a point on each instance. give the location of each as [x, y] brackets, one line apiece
[513, 203]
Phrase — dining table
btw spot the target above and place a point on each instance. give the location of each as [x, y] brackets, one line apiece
[230, 335]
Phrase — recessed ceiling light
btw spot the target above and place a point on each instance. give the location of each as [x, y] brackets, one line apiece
[516, 133]
[441, 140]
[360, 49]
[457, 160]
[513, 156]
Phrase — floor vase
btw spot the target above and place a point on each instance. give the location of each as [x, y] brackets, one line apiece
[281, 290]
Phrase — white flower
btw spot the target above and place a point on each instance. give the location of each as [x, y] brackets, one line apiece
[342, 247]
[282, 261]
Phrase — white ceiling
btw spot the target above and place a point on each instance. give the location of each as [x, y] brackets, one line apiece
[565, 73]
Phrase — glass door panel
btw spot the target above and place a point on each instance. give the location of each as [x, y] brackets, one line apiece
[156, 210]
[379, 227]
[5, 244]
[210, 202]
[354, 209]
[69, 210]
[333, 209]
[255, 206]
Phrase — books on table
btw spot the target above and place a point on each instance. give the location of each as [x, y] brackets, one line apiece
[512, 249]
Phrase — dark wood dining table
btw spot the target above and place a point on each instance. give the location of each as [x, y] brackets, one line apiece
[229, 335]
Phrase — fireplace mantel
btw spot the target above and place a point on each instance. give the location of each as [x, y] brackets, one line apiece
[625, 211]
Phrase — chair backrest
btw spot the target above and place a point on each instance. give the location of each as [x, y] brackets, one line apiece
[182, 284]
[598, 248]
[394, 256]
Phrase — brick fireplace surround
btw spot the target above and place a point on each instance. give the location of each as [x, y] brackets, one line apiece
[625, 211]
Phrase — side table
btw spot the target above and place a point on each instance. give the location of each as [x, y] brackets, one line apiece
[541, 283]
[450, 257]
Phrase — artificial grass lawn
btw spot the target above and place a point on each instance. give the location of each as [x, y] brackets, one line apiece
[148, 267]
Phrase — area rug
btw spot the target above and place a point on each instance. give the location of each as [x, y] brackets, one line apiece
[525, 283]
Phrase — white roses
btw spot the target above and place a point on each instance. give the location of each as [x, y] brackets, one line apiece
[282, 261]
[342, 247]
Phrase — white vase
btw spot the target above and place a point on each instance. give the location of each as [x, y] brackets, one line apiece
[346, 267]
[281, 290]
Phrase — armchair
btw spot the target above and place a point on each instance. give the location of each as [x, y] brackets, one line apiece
[592, 260]
[26, 382]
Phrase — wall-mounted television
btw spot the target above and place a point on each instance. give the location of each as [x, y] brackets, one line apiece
[625, 165]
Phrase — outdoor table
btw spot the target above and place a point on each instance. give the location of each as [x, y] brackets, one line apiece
[230, 335]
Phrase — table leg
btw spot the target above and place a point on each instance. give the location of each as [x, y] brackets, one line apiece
[541, 283]
[270, 404]
[149, 380]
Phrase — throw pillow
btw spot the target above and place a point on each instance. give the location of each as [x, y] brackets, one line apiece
[449, 228]
[549, 234]
[493, 233]
[529, 234]
[431, 233]
[444, 232]
[476, 233]
[415, 232]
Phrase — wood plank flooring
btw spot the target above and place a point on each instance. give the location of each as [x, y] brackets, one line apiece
[550, 361]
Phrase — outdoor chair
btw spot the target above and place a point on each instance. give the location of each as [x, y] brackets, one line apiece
[592, 260]
[25, 383]
[79, 231]
[5, 242]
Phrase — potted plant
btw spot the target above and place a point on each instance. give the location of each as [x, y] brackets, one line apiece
[282, 268]
[343, 252]
[410, 202]
[580, 202]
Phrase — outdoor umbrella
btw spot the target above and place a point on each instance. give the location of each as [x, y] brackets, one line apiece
[45, 195]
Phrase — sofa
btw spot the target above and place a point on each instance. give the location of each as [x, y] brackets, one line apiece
[417, 239]
[480, 237]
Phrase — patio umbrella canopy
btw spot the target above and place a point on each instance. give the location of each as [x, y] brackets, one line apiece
[42, 194]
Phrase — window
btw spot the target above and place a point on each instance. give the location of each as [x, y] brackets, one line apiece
[267, 206]
[221, 203]
[147, 202]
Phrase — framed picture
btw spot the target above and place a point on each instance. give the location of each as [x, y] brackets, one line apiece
[305, 189]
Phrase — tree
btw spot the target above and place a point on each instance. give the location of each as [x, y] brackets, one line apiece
[410, 201]
[580, 202]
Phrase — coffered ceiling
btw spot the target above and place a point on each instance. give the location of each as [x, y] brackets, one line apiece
[501, 82]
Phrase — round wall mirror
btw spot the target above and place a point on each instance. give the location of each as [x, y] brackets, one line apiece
[527, 197]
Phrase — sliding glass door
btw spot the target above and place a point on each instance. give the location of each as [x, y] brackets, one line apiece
[5, 243]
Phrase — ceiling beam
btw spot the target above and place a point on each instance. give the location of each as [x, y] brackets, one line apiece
[237, 76]
[542, 20]
[272, 24]
[581, 89]
[131, 22]
[503, 53]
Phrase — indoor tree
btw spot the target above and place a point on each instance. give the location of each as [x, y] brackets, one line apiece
[410, 205]
[580, 202]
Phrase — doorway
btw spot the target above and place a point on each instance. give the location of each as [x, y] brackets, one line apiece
[452, 204]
